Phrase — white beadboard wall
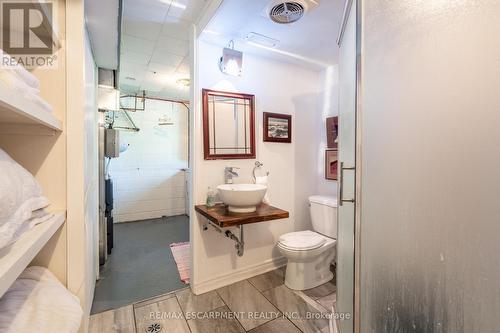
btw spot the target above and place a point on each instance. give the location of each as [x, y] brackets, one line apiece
[149, 181]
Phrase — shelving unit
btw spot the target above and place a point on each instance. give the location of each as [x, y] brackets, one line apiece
[18, 110]
[16, 257]
[50, 147]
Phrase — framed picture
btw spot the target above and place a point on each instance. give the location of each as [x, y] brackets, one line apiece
[332, 132]
[277, 127]
[331, 164]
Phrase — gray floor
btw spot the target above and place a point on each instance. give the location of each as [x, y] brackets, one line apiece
[141, 265]
[262, 304]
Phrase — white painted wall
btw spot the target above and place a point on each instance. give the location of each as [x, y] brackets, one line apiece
[148, 178]
[280, 88]
[91, 171]
[329, 107]
[82, 167]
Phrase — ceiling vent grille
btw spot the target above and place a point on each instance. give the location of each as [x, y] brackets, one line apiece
[287, 12]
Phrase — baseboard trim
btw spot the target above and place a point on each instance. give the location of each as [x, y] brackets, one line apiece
[238, 275]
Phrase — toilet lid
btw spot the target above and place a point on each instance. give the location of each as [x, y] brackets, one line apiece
[302, 240]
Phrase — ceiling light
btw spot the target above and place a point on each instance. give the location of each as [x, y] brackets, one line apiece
[183, 83]
[178, 5]
[231, 62]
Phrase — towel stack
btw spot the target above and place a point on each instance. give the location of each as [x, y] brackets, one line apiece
[38, 302]
[21, 201]
[20, 81]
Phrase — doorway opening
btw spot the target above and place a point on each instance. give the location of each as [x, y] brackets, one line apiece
[144, 159]
[146, 192]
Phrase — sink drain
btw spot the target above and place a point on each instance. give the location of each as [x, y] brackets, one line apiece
[155, 328]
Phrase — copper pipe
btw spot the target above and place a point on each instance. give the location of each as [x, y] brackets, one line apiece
[158, 99]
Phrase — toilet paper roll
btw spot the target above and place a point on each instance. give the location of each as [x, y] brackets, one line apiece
[263, 180]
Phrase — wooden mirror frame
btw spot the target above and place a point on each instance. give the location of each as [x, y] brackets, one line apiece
[206, 131]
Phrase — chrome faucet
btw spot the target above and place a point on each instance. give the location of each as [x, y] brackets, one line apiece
[229, 173]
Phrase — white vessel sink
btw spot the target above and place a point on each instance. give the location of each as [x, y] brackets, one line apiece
[242, 198]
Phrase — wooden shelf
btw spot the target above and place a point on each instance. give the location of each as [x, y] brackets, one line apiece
[224, 218]
[16, 257]
[16, 109]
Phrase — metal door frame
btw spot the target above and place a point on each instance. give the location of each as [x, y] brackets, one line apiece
[358, 140]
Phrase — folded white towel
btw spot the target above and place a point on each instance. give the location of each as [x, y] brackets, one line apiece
[263, 180]
[40, 102]
[25, 218]
[26, 76]
[38, 302]
[35, 220]
[13, 81]
[16, 186]
[30, 79]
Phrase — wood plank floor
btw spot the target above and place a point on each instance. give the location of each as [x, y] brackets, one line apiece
[261, 304]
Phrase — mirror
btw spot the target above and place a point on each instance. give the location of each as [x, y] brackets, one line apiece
[228, 125]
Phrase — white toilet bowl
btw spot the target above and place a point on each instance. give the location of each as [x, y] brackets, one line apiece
[310, 253]
[308, 261]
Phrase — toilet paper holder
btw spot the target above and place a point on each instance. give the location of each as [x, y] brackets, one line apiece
[258, 165]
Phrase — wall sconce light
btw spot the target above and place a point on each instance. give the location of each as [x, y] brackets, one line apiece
[231, 62]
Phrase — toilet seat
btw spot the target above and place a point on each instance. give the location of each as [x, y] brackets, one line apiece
[301, 240]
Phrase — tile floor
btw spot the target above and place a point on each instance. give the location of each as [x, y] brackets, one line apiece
[261, 304]
[141, 264]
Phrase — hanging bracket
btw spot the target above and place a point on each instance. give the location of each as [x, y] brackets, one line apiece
[240, 243]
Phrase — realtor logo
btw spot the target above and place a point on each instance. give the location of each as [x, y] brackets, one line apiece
[27, 34]
[26, 28]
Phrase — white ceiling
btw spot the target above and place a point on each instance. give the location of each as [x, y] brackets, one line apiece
[309, 42]
[102, 24]
[155, 45]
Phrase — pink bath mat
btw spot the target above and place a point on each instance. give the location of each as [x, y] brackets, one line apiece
[181, 253]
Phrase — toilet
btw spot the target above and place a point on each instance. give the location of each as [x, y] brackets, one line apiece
[310, 253]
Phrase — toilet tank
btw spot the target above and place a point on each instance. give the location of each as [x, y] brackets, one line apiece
[323, 211]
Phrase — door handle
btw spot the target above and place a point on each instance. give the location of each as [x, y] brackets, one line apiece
[341, 184]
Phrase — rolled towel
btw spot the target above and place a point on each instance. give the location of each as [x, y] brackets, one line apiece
[263, 180]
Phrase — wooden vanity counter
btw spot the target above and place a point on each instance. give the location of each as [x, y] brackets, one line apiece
[224, 218]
